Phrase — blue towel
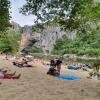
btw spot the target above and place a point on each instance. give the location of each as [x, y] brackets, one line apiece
[73, 67]
[68, 77]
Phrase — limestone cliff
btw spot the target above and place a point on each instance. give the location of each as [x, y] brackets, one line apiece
[48, 36]
[44, 39]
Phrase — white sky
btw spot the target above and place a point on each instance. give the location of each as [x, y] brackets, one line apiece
[17, 17]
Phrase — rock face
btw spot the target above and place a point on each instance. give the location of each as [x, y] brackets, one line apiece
[48, 37]
[44, 39]
[16, 26]
[26, 37]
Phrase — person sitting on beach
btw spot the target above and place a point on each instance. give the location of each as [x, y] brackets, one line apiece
[52, 64]
[4, 73]
[55, 67]
[52, 70]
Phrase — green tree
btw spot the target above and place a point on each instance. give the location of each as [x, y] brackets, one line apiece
[9, 42]
[80, 15]
[38, 28]
[4, 15]
[36, 50]
[87, 43]
[70, 14]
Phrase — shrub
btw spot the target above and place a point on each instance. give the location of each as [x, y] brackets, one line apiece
[36, 49]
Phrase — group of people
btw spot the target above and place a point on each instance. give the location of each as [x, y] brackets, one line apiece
[55, 67]
[22, 63]
[6, 73]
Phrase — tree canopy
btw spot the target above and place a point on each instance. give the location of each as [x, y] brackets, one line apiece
[83, 44]
[9, 42]
[80, 15]
[70, 14]
[4, 14]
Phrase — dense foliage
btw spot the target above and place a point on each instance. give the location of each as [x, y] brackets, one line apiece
[4, 15]
[38, 27]
[69, 14]
[82, 16]
[36, 50]
[83, 44]
[9, 43]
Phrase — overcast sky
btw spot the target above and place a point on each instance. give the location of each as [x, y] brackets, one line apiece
[17, 17]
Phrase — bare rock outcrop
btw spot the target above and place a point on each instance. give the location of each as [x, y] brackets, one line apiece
[44, 39]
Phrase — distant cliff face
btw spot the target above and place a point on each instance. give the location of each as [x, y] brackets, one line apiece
[16, 26]
[44, 39]
[48, 37]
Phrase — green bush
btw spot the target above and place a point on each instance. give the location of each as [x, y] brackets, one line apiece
[84, 44]
[9, 43]
[36, 49]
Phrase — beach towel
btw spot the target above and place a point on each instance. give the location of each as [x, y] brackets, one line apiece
[68, 77]
[73, 67]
